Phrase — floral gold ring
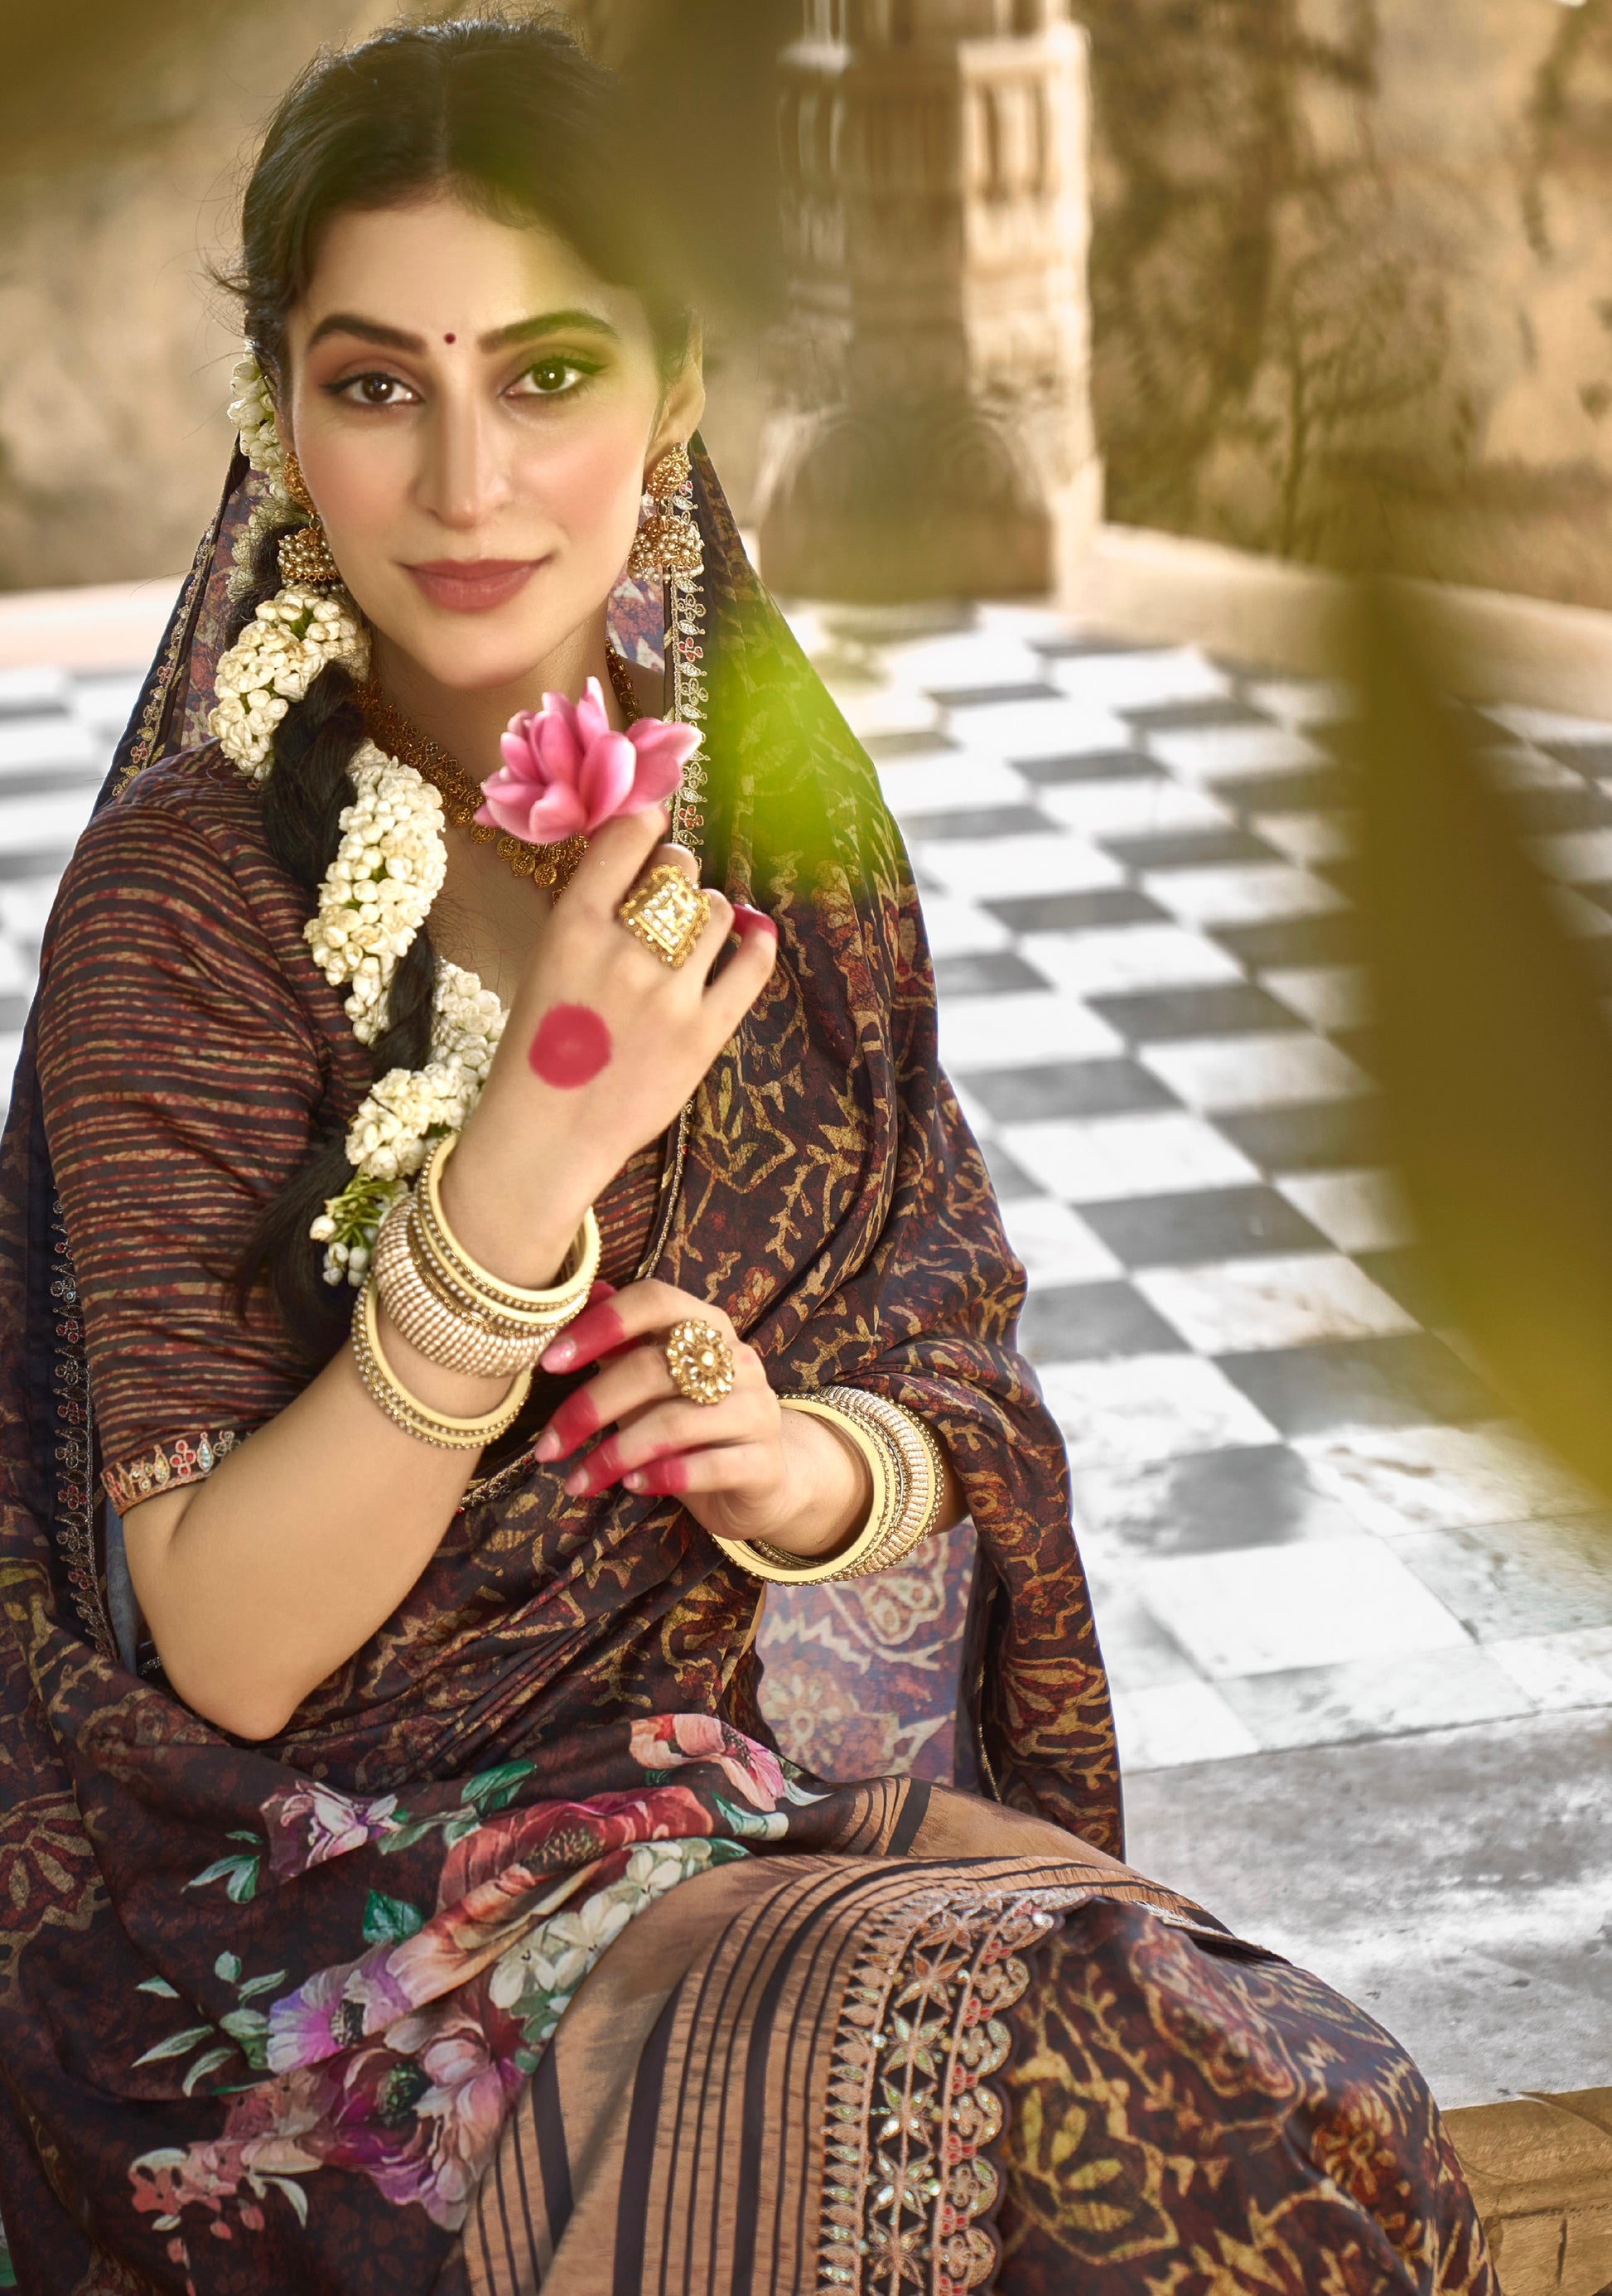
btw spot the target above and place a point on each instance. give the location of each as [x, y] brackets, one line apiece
[700, 1362]
[667, 914]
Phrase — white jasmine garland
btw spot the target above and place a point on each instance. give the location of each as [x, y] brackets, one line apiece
[398, 1119]
[269, 514]
[273, 663]
[252, 412]
[377, 893]
[407, 1107]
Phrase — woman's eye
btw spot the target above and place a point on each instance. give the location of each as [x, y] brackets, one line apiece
[373, 391]
[551, 377]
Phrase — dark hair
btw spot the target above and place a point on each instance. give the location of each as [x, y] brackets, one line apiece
[509, 113]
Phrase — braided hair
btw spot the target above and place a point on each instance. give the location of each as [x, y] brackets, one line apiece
[509, 114]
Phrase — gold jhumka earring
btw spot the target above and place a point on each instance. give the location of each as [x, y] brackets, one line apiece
[304, 555]
[667, 541]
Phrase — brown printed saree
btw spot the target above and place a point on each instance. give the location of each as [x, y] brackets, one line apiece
[523, 1958]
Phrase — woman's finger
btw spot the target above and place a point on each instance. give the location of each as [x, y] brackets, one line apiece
[616, 858]
[735, 1467]
[663, 1429]
[713, 938]
[632, 1314]
[730, 995]
[629, 1381]
[680, 855]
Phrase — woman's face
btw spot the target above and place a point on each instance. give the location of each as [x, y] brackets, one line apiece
[475, 414]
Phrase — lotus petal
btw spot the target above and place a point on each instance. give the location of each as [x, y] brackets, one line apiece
[606, 783]
[592, 719]
[557, 744]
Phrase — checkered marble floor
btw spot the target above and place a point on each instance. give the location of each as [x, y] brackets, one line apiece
[1304, 1520]
[57, 734]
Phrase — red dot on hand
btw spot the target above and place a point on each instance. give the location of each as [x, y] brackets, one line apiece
[570, 1047]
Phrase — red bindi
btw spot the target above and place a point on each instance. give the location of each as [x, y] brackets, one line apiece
[571, 1046]
[450, 339]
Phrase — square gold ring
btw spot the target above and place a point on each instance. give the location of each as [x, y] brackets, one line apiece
[666, 912]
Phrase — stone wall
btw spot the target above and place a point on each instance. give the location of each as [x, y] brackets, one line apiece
[1353, 281]
[123, 135]
[932, 421]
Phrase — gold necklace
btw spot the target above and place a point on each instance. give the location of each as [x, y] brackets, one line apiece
[545, 865]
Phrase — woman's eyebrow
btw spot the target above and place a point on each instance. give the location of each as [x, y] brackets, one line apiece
[396, 339]
[368, 331]
[547, 322]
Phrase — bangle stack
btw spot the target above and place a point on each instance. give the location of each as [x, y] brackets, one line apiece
[906, 1469]
[404, 1409]
[485, 1303]
[456, 1314]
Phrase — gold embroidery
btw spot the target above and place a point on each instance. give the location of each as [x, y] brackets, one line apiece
[166, 668]
[913, 2116]
[130, 1481]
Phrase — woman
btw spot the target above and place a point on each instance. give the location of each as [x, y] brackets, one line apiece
[404, 1894]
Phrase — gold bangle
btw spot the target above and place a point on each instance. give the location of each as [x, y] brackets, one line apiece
[404, 1409]
[508, 1308]
[903, 1463]
[921, 1455]
[576, 1277]
[439, 1272]
[438, 1327]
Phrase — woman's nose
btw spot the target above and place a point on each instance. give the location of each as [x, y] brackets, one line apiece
[463, 482]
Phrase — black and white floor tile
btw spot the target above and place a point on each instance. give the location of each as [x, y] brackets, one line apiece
[1304, 1519]
[57, 734]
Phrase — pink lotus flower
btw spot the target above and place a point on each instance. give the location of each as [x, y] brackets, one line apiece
[565, 772]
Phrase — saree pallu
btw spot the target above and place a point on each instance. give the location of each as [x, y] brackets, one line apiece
[299, 2015]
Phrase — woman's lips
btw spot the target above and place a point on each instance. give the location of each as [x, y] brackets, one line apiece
[473, 585]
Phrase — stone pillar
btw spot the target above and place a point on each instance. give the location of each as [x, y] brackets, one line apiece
[931, 434]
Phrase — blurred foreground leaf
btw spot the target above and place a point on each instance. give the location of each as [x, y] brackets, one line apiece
[1493, 1052]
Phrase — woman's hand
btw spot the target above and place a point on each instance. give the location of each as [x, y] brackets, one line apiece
[604, 1044]
[743, 1467]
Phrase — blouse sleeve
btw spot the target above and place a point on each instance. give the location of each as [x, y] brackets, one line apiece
[181, 1080]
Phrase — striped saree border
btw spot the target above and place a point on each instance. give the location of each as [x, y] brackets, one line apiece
[800, 2103]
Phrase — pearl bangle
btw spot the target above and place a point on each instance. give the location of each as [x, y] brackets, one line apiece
[430, 1320]
[404, 1409]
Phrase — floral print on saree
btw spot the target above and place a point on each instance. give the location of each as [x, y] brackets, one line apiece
[402, 2063]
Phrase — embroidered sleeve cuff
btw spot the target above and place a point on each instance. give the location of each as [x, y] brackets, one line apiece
[187, 1459]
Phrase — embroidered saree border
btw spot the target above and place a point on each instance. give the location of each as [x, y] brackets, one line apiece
[191, 1459]
[908, 2179]
[814, 2109]
[74, 1503]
